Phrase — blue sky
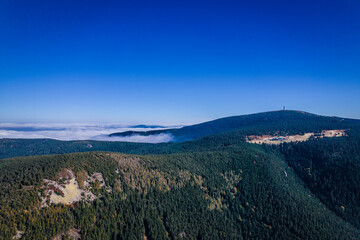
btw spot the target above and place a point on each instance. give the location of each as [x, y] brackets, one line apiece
[176, 62]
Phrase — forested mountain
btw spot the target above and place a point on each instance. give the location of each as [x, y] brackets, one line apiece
[284, 122]
[217, 186]
[30, 147]
[331, 169]
[228, 194]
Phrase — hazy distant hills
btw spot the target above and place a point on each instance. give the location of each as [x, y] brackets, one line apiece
[214, 185]
[146, 126]
[141, 133]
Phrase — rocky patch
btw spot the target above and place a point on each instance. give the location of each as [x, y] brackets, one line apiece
[276, 140]
[68, 188]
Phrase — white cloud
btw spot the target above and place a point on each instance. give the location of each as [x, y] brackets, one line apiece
[77, 131]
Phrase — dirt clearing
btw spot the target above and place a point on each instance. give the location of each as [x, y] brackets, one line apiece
[275, 139]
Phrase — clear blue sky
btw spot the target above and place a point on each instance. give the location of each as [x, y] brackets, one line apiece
[176, 61]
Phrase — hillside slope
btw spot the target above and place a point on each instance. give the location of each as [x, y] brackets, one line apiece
[239, 194]
[217, 186]
[32, 147]
[330, 168]
[283, 122]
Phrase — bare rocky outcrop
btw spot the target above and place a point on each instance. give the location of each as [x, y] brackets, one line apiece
[72, 233]
[69, 188]
[18, 234]
[276, 139]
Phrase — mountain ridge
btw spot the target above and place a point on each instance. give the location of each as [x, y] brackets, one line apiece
[280, 122]
[287, 118]
[215, 186]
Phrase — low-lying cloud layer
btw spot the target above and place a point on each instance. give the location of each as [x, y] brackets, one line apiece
[70, 131]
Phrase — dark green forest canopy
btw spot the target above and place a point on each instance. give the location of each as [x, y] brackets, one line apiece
[330, 168]
[266, 203]
[215, 187]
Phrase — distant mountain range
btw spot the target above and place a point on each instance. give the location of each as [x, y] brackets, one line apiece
[146, 126]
